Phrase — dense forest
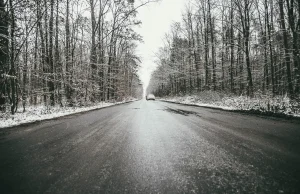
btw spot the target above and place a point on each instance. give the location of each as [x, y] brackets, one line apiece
[67, 52]
[237, 47]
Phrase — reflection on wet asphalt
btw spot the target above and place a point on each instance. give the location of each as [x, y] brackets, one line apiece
[152, 147]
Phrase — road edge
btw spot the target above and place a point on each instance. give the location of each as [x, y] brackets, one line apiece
[60, 117]
[248, 112]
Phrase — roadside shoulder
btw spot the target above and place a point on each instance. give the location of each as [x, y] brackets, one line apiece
[232, 109]
[41, 113]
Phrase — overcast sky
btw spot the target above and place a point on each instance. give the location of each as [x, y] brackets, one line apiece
[156, 22]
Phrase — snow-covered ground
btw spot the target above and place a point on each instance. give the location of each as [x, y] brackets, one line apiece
[39, 113]
[278, 105]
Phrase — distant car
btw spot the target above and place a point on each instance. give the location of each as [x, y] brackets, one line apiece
[150, 97]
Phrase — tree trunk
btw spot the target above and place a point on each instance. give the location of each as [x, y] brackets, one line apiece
[24, 92]
[12, 71]
[4, 54]
[57, 68]
[295, 29]
[213, 54]
[270, 46]
[231, 49]
[286, 49]
[68, 62]
[51, 64]
[93, 57]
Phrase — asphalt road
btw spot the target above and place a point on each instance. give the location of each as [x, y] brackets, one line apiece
[152, 147]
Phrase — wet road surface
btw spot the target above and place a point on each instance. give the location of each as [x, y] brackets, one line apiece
[152, 147]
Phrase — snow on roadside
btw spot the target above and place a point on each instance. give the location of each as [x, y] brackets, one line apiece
[278, 105]
[190, 101]
[39, 113]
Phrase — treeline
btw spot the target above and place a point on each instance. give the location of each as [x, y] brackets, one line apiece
[67, 52]
[241, 47]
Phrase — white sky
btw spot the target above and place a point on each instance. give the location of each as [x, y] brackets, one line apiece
[156, 22]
